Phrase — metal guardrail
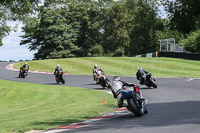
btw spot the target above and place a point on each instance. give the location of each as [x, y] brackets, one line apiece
[183, 55]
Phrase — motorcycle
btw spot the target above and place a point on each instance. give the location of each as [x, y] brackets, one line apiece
[101, 79]
[59, 78]
[147, 79]
[23, 73]
[135, 101]
[104, 81]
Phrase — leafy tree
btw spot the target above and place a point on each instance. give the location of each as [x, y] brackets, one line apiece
[95, 51]
[118, 52]
[165, 32]
[54, 34]
[65, 28]
[143, 35]
[184, 14]
[71, 28]
[192, 42]
[91, 20]
[14, 10]
[118, 26]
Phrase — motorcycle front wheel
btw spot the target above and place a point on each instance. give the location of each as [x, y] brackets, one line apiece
[63, 81]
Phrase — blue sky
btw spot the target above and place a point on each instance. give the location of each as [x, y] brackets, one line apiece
[11, 50]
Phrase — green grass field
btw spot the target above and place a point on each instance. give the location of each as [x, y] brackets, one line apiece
[26, 106]
[123, 66]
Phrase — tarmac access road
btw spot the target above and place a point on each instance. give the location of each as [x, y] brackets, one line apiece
[174, 107]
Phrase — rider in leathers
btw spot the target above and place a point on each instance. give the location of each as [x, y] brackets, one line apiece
[97, 73]
[141, 73]
[117, 87]
[58, 69]
[23, 67]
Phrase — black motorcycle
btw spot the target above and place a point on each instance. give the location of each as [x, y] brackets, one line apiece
[59, 78]
[23, 72]
[146, 78]
[135, 100]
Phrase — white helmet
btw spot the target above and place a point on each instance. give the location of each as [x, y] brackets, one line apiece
[139, 68]
[26, 63]
[116, 78]
[58, 65]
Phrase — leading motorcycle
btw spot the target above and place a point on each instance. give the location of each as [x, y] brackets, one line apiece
[23, 72]
[135, 100]
[59, 78]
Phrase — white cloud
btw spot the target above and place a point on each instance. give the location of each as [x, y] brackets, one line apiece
[11, 50]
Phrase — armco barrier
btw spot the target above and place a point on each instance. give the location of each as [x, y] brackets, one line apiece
[155, 54]
[184, 55]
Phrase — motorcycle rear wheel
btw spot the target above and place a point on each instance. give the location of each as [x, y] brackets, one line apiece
[153, 83]
[133, 108]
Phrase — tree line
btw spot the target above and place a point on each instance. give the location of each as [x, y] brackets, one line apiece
[77, 28]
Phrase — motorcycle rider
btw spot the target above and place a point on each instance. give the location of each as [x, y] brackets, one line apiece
[97, 73]
[23, 67]
[141, 73]
[96, 68]
[117, 87]
[100, 77]
[58, 69]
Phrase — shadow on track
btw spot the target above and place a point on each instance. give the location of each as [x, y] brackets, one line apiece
[147, 88]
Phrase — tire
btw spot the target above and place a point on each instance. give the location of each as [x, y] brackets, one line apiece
[57, 81]
[133, 108]
[109, 86]
[63, 81]
[153, 83]
[23, 76]
[107, 83]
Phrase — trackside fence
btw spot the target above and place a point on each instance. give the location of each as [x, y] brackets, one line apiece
[183, 55]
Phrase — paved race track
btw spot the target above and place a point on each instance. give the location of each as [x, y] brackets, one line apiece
[174, 107]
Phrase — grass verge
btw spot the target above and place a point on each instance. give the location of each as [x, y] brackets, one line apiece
[27, 106]
[123, 66]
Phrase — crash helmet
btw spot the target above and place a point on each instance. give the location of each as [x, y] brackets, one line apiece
[116, 78]
[139, 68]
[58, 65]
[25, 63]
[95, 65]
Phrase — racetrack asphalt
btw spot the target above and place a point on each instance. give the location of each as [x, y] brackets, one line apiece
[174, 107]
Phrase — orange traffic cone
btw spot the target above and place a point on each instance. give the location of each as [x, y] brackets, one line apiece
[104, 101]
